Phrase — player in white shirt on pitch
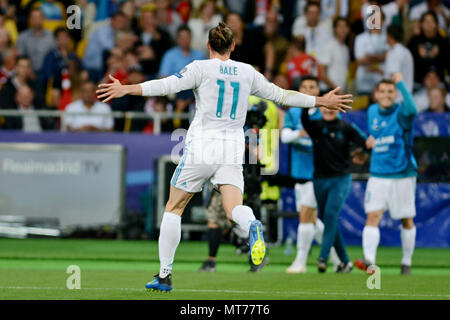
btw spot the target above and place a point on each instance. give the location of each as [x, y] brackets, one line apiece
[214, 146]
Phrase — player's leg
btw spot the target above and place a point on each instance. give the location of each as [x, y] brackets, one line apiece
[243, 216]
[169, 237]
[337, 190]
[305, 234]
[402, 206]
[371, 236]
[170, 230]
[214, 237]
[318, 235]
[408, 236]
[215, 215]
[320, 192]
[375, 204]
[306, 205]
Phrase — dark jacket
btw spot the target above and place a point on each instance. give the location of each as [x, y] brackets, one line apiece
[332, 142]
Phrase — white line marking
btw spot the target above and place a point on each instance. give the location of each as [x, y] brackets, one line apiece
[245, 291]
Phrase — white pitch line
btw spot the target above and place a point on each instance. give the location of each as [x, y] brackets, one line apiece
[246, 291]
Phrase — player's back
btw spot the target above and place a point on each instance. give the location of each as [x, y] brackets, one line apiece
[221, 98]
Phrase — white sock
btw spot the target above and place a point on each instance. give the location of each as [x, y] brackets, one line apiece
[318, 231]
[305, 234]
[370, 241]
[169, 238]
[408, 237]
[243, 216]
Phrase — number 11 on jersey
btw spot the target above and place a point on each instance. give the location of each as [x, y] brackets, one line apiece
[235, 86]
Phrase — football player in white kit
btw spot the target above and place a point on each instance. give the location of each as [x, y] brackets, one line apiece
[214, 146]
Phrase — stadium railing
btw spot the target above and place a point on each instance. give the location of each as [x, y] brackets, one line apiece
[156, 117]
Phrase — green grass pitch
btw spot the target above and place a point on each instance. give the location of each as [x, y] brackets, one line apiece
[113, 269]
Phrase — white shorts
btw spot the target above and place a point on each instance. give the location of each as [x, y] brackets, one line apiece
[396, 195]
[194, 170]
[304, 195]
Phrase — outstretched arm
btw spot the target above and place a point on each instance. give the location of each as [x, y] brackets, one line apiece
[188, 78]
[267, 90]
[408, 109]
[115, 89]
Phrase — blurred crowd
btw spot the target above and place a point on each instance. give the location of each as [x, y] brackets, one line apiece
[52, 55]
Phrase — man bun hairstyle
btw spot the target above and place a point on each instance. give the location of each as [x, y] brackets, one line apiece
[221, 38]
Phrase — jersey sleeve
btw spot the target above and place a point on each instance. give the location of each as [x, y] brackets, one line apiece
[408, 109]
[262, 88]
[188, 78]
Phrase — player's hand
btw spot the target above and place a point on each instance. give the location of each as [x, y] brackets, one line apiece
[334, 101]
[359, 157]
[397, 77]
[112, 90]
[370, 142]
[303, 133]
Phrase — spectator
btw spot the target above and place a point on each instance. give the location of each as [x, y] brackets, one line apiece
[389, 8]
[131, 61]
[128, 7]
[29, 122]
[130, 103]
[275, 47]
[153, 43]
[329, 9]
[206, 17]
[97, 116]
[334, 59]
[398, 58]
[248, 42]
[7, 69]
[105, 9]
[370, 52]
[35, 42]
[169, 20]
[245, 9]
[66, 85]
[116, 66]
[55, 61]
[262, 7]
[442, 12]
[282, 81]
[7, 23]
[316, 33]
[88, 12]
[5, 43]
[437, 100]
[430, 81]
[178, 57]
[102, 39]
[23, 77]
[183, 9]
[299, 63]
[174, 61]
[429, 49]
[54, 13]
[159, 104]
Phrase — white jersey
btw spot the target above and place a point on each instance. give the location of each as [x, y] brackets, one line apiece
[222, 90]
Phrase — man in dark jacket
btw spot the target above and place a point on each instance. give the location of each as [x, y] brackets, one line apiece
[332, 140]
